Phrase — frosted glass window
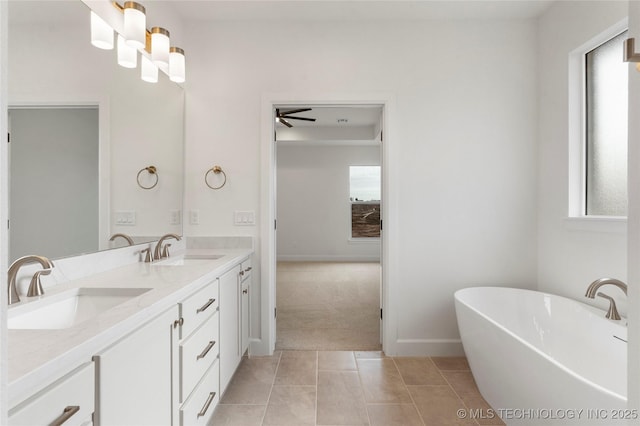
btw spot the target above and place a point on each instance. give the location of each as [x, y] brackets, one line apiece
[364, 183]
[606, 130]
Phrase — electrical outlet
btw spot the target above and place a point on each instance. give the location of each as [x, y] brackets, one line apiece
[194, 217]
[175, 217]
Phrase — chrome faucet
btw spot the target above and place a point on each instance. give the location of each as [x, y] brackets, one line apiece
[125, 236]
[592, 291]
[13, 296]
[158, 252]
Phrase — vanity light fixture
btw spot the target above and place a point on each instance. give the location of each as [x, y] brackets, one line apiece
[160, 46]
[630, 54]
[154, 46]
[135, 24]
[101, 33]
[127, 55]
[176, 65]
[148, 70]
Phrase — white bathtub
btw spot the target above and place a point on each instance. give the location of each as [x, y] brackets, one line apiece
[541, 359]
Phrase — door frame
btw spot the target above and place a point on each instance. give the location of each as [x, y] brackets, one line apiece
[101, 103]
[267, 249]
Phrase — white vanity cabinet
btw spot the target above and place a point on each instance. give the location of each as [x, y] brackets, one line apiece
[135, 375]
[230, 355]
[234, 319]
[199, 384]
[245, 305]
[69, 401]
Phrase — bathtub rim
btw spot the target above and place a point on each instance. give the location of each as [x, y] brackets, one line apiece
[531, 346]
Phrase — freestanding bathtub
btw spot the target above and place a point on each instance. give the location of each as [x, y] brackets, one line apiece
[541, 359]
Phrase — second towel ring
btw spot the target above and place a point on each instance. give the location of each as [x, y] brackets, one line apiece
[152, 171]
[217, 170]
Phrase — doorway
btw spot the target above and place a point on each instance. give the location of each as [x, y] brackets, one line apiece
[328, 246]
[54, 158]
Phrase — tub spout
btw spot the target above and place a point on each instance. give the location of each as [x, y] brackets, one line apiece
[594, 286]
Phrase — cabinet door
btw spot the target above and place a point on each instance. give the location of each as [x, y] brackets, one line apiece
[69, 400]
[244, 314]
[135, 376]
[245, 305]
[229, 325]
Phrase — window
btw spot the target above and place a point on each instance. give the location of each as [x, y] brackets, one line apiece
[606, 129]
[364, 193]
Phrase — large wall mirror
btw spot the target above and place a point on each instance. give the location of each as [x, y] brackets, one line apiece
[84, 135]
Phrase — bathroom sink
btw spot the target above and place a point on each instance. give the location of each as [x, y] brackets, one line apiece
[189, 259]
[68, 308]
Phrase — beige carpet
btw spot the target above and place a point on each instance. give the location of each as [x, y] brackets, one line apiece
[328, 306]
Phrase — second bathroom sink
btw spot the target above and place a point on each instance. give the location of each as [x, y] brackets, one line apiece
[68, 308]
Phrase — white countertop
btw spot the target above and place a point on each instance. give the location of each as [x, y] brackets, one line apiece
[38, 357]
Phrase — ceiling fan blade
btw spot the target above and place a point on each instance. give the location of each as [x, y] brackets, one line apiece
[299, 118]
[285, 122]
[293, 111]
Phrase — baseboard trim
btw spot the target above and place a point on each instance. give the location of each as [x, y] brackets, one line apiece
[429, 347]
[323, 258]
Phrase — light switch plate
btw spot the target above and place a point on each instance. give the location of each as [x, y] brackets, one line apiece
[125, 217]
[244, 218]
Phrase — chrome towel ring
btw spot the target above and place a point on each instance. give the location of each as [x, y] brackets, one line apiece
[216, 170]
[152, 171]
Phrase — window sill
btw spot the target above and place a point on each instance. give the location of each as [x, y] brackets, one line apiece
[610, 224]
[364, 240]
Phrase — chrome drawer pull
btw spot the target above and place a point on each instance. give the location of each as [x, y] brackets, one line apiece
[205, 306]
[66, 415]
[248, 269]
[206, 350]
[207, 404]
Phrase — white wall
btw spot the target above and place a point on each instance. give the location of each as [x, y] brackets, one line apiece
[142, 124]
[572, 253]
[314, 212]
[634, 219]
[463, 164]
[4, 210]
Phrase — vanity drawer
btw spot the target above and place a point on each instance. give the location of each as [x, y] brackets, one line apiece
[199, 408]
[197, 353]
[69, 401]
[198, 307]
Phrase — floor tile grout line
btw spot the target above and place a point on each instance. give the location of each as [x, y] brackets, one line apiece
[413, 401]
[273, 382]
[364, 399]
[458, 396]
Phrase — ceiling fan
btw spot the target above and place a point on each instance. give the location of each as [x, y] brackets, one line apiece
[283, 116]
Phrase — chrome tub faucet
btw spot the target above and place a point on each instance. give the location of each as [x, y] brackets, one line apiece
[592, 292]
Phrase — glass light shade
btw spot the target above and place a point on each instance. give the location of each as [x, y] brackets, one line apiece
[160, 46]
[101, 33]
[149, 72]
[176, 65]
[127, 55]
[135, 24]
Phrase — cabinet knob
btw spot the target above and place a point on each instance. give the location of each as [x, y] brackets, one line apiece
[245, 291]
[178, 322]
[241, 273]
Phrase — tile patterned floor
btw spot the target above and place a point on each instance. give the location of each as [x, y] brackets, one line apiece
[301, 388]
